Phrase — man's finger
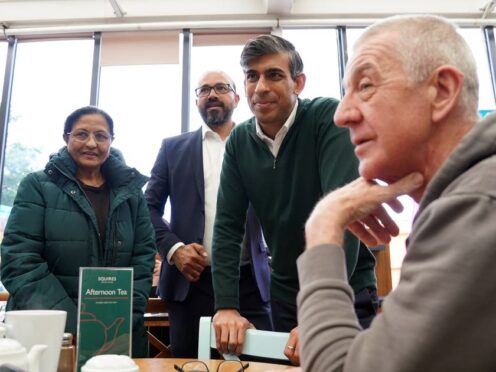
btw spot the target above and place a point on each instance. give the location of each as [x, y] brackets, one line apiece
[223, 346]
[295, 359]
[218, 332]
[199, 249]
[395, 205]
[386, 221]
[361, 233]
[376, 229]
[233, 340]
[240, 341]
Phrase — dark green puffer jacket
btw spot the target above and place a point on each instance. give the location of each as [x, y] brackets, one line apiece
[52, 231]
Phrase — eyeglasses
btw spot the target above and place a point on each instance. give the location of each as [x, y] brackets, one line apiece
[221, 88]
[224, 366]
[83, 136]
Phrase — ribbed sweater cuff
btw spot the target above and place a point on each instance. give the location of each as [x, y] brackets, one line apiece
[226, 303]
[322, 261]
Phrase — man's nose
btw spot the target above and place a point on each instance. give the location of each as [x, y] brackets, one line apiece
[346, 113]
[262, 84]
[212, 94]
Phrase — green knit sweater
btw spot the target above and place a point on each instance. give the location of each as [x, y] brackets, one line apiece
[314, 158]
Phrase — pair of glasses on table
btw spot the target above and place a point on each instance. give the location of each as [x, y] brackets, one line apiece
[224, 366]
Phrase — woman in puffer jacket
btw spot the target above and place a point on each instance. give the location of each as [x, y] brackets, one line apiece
[85, 209]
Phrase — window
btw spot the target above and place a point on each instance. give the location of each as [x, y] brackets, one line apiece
[4, 210]
[352, 35]
[475, 40]
[3, 58]
[145, 104]
[140, 88]
[51, 79]
[320, 60]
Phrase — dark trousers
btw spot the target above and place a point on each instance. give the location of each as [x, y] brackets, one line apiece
[185, 316]
[366, 305]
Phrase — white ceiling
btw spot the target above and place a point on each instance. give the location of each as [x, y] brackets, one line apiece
[25, 16]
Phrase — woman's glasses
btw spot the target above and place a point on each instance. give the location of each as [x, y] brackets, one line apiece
[83, 136]
[224, 366]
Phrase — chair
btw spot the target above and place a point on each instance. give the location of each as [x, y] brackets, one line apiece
[264, 344]
[156, 315]
[383, 270]
[4, 296]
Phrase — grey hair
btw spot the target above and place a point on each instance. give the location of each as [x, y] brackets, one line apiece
[272, 44]
[426, 42]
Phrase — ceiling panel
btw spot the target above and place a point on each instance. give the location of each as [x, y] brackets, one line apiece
[23, 15]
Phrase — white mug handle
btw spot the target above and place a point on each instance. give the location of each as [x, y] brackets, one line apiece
[3, 330]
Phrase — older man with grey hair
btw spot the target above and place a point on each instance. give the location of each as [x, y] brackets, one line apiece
[411, 108]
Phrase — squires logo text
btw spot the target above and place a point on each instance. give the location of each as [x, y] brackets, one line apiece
[107, 279]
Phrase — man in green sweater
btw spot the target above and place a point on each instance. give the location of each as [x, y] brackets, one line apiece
[282, 161]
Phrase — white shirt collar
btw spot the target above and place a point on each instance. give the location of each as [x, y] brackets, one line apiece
[289, 122]
[207, 131]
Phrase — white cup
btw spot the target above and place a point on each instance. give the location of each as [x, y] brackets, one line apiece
[110, 362]
[32, 327]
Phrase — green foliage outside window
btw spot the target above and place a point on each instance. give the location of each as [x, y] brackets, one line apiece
[18, 163]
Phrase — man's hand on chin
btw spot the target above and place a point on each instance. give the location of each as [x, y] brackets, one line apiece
[358, 207]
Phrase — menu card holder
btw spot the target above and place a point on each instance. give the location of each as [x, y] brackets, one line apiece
[104, 312]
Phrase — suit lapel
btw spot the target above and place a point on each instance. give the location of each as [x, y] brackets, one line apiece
[198, 161]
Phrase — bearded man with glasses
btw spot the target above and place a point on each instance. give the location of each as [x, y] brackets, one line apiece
[187, 172]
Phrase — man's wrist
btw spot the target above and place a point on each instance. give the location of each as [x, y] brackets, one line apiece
[173, 250]
[336, 239]
[318, 232]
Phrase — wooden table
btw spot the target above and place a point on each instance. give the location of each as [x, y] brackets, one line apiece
[167, 365]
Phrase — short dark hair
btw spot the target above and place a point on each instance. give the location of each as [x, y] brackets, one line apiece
[87, 110]
[272, 44]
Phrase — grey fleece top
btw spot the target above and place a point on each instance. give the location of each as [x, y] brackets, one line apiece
[442, 315]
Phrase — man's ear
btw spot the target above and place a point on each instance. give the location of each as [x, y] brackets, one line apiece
[65, 136]
[236, 100]
[300, 83]
[446, 84]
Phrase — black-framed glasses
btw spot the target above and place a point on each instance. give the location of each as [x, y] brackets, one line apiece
[220, 88]
[224, 366]
[83, 136]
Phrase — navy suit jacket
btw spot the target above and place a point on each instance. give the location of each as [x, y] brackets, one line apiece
[178, 175]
